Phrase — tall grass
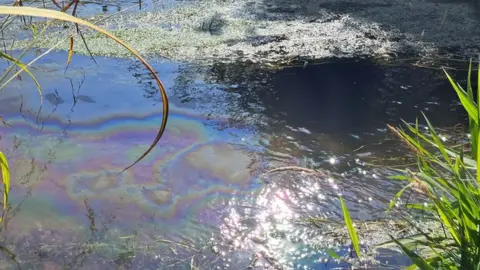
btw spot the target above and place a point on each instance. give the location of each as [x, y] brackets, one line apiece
[450, 179]
[6, 181]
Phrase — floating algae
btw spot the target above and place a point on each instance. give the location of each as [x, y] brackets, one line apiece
[282, 30]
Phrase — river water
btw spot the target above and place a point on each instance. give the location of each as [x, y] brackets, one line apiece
[200, 199]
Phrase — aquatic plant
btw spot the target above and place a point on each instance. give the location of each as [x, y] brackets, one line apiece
[6, 180]
[351, 229]
[450, 179]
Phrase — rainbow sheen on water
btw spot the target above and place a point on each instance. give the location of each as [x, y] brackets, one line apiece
[198, 196]
[66, 157]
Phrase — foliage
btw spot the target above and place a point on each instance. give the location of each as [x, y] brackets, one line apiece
[351, 229]
[6, 180]
[450, 178]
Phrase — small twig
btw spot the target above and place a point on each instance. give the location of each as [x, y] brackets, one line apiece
[359, 148]
[292, 168]
[3, 122]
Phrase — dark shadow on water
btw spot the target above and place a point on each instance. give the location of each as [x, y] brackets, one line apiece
[339, 98]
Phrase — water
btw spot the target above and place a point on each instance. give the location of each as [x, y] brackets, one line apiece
[92, 11]
[200, 198]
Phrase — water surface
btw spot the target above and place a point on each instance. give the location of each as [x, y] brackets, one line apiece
[200, 197]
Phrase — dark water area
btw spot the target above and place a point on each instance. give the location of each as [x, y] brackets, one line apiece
[200, 198]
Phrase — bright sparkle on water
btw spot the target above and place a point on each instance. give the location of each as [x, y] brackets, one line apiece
[332, 160]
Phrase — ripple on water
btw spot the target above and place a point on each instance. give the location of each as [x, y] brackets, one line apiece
[95, 183]
[158, 197]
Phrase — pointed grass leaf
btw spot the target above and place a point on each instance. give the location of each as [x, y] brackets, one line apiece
[399, 177]
[398, 195]
[447, 221]
[477, 156]
[351, 230]
[478, 87]
[24, 67]
[5, 178]
[70, 51]
[417, 260]
[333, 254]
[469, 82]
[438, 143]
[468, 104]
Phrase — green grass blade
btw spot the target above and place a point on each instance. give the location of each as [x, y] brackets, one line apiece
[478, 157]
[468, 161]
[351, 230]
[417, 260]
[5, 178]
[411, 267]
[469, 82]
[22, 66]
[398, 195]
[468, 104]
[437, 141]
[478, 86]
[333, 254]
[477, 128]
[447, 221]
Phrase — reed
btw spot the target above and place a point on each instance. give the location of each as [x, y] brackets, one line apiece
[449, 177]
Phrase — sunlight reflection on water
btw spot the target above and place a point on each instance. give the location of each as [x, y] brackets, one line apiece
[203, 188]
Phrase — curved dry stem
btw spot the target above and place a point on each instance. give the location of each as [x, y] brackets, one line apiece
[293, 168]
[52, 14]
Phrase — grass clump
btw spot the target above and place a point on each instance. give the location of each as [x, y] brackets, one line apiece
[449, 178]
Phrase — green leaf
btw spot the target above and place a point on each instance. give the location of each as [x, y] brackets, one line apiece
[438, 142]
[6, 179]
[469, 81]
[411, 267]
[478, 86]
[447, 221]
[398, 195]
[399, 177]
[22, 66]
[333, 254]
[417, 260]
[468, 104]
[350, 228]
[478, 158]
